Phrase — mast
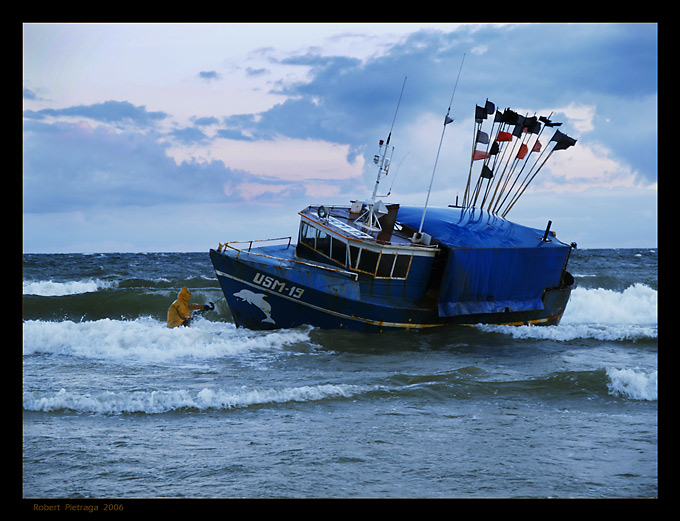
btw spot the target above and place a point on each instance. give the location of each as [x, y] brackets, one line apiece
[369, 219]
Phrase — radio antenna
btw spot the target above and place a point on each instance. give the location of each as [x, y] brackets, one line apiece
[371, 218]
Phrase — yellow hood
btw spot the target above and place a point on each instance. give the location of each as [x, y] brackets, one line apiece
[184, 294]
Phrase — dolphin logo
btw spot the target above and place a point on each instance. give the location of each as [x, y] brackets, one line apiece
[257, 300]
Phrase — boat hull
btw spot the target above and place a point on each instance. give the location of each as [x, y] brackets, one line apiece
[264, 295]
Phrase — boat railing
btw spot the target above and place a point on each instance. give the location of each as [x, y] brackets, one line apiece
[229, 244]
[250, 243]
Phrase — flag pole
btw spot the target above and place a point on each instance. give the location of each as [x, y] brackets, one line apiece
[562, 142]
[480, 179]
[527, 185]
[500, 179]
[477, 126]
[525, 164]
[510, 119]
[490, 183]
[514, 160]
[529, 177]
[530, 151]
[447, 120]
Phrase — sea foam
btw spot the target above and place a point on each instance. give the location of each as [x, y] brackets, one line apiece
[600, 314]
[635, 384]
[147, 339]
[636, 305]
[157, 402]
[49, 288]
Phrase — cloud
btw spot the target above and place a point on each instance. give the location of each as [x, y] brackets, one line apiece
[313, 133]
[256, 72]
[107, 112]
[189, 135]
[206, 121]
[589, 74]
[69, 166]
[580, 116]
[588, 167]
[208, 75]
[349, 102]
[236, 135]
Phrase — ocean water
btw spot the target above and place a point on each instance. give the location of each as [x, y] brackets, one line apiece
[115, 405]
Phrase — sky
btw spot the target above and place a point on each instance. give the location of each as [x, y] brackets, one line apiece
[177, 137]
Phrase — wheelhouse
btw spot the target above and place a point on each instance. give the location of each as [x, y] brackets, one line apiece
[333, 238]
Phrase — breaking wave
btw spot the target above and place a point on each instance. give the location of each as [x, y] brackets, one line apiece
[149, 340]
[158, 402]
[48, 288]
[633, 384]
[600, 314]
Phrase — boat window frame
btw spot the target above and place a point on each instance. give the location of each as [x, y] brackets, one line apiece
[331, 239]
[353, 263]
[397, 255]
[303, 238]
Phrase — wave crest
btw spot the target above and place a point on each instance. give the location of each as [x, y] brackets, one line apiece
[158, 402]
[49, 288]
[599, 314]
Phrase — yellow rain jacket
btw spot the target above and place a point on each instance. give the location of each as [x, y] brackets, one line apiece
[180, 310]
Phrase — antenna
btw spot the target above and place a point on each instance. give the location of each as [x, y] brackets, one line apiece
[447, 120]
[371, 218]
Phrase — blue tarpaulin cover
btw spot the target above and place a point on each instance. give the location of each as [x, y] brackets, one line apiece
[493, 263]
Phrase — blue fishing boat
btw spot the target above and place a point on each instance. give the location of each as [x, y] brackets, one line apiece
[374, 267]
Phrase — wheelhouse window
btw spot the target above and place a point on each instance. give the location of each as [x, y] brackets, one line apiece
[322, 242]
[354, 256]
[368, 261]
[380, 264]
[338, 251]
[308, 235]
[385, 265]
[401, 265]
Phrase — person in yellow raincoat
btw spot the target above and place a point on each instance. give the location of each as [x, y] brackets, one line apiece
[179, 313]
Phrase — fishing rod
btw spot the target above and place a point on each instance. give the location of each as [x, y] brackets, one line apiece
[447, 120]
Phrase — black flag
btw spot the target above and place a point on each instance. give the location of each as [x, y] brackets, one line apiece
[480, 113]
[517, 131]
[510, 116]
[486, 172]
[533, 125]
[490, 107]
[548, 123]
[562, 141]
